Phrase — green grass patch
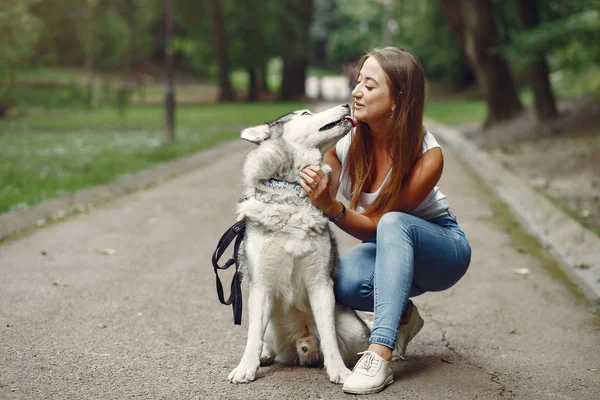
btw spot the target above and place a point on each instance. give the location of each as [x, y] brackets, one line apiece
[455, 112]
[142, 116]
[462, 111]
[575, 214]
[52, 74]
[53, 154]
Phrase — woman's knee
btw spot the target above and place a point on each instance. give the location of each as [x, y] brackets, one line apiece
[347, 287]
[353, 290]
[394, 223]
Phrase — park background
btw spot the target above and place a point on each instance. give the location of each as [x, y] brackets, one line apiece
[84, 84]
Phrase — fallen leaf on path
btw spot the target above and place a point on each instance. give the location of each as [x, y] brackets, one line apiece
[593, 369]
[108, 252]
[447, 361]
[582, 265]
[585, 213]
[58, 215]
[513, 331]
[521, 271]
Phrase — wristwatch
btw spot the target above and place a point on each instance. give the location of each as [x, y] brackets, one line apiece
[340, 215]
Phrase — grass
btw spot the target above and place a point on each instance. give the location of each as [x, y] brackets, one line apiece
[456, 112]
[147, 117]
[574, 214]
[47, 155]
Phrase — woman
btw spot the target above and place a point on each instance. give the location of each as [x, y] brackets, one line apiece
[388, 169]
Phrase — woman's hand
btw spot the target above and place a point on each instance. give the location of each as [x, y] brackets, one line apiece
[240, 217]
[315, 183]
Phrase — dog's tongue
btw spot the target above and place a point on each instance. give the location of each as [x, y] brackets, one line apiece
[352, 120]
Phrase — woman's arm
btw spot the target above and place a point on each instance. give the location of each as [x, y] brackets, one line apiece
[420, 182]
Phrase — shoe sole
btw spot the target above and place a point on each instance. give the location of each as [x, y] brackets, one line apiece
[388, 381]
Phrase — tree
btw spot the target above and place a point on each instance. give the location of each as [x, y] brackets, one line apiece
[225, 89]
[19, 32]
[545, 105]
[84, 15]
[170, 95]
[358, 29]
[325, 23]
[474, 25]
[254, 27]
[423, 31]
[567, 35]
[295, 17]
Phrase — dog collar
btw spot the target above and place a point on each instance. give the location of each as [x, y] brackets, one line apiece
[281, 185]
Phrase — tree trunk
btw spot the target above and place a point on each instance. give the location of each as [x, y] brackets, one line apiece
[545, 104]
[89, 32]
[253, 88]
[225, 90]
[170, 95]
[263, 82]
[293, 79]
[296, 19]
[472, 21]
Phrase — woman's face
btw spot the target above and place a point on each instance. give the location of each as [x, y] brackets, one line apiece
[372, 98]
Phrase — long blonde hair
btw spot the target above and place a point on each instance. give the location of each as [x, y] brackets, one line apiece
[406, 80]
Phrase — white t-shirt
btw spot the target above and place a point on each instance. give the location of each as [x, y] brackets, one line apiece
[434, 205]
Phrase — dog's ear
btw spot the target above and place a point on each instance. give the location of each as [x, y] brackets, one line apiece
[256, 134]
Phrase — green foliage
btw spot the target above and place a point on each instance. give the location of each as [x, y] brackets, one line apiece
[111, 40]
[572, 42]
[114, 31]
[19, 31]
[568, 36]
[423, 31]
[420, 28]
[359, 29]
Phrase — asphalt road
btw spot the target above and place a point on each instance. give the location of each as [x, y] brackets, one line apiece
[120, 303]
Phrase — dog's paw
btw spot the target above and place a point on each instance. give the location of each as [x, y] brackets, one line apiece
[338, 375]
[326, 169]
[267, 357]
[266, 360]
[243, 373]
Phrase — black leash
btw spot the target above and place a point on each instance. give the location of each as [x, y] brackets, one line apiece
[236, 231]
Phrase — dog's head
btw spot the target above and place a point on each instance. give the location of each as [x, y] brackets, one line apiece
[306, 129]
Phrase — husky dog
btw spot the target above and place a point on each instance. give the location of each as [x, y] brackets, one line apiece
[290, 254]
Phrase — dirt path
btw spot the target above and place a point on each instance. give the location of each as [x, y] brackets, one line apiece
[120, 303]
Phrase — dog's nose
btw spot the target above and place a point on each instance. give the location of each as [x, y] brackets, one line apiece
[304, 349]
[346, 105]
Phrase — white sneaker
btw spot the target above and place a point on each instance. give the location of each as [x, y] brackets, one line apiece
[370, 375]
[407, 332]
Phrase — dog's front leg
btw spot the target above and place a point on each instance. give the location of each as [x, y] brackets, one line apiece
[259, 310]
[322, 303]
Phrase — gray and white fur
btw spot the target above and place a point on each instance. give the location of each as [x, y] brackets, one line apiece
[290, 254]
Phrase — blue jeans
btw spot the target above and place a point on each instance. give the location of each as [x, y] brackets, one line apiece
[409, 256]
